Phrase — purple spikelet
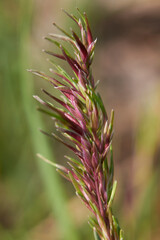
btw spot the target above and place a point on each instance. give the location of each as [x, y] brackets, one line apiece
[84, 121]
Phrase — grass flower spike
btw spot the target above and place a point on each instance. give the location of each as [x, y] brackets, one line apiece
[82, 119]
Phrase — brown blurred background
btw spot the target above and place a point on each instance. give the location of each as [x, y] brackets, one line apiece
[35, 203]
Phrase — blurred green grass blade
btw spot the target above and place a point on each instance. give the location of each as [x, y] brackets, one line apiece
[50, 178]
[146, 207]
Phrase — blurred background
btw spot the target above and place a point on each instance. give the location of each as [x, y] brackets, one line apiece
[37, 204]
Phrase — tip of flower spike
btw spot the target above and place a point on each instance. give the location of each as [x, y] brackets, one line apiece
[54, 24]
[29, 70]
[95, 41]
[44, 159]
[51, 163]
[62, 9]
[78, 10]
[38, 98]
[35, 96]
[51, 70]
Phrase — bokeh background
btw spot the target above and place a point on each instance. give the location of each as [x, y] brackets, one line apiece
[37, 204]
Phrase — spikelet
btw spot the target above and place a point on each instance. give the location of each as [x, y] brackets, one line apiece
[84, 121]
